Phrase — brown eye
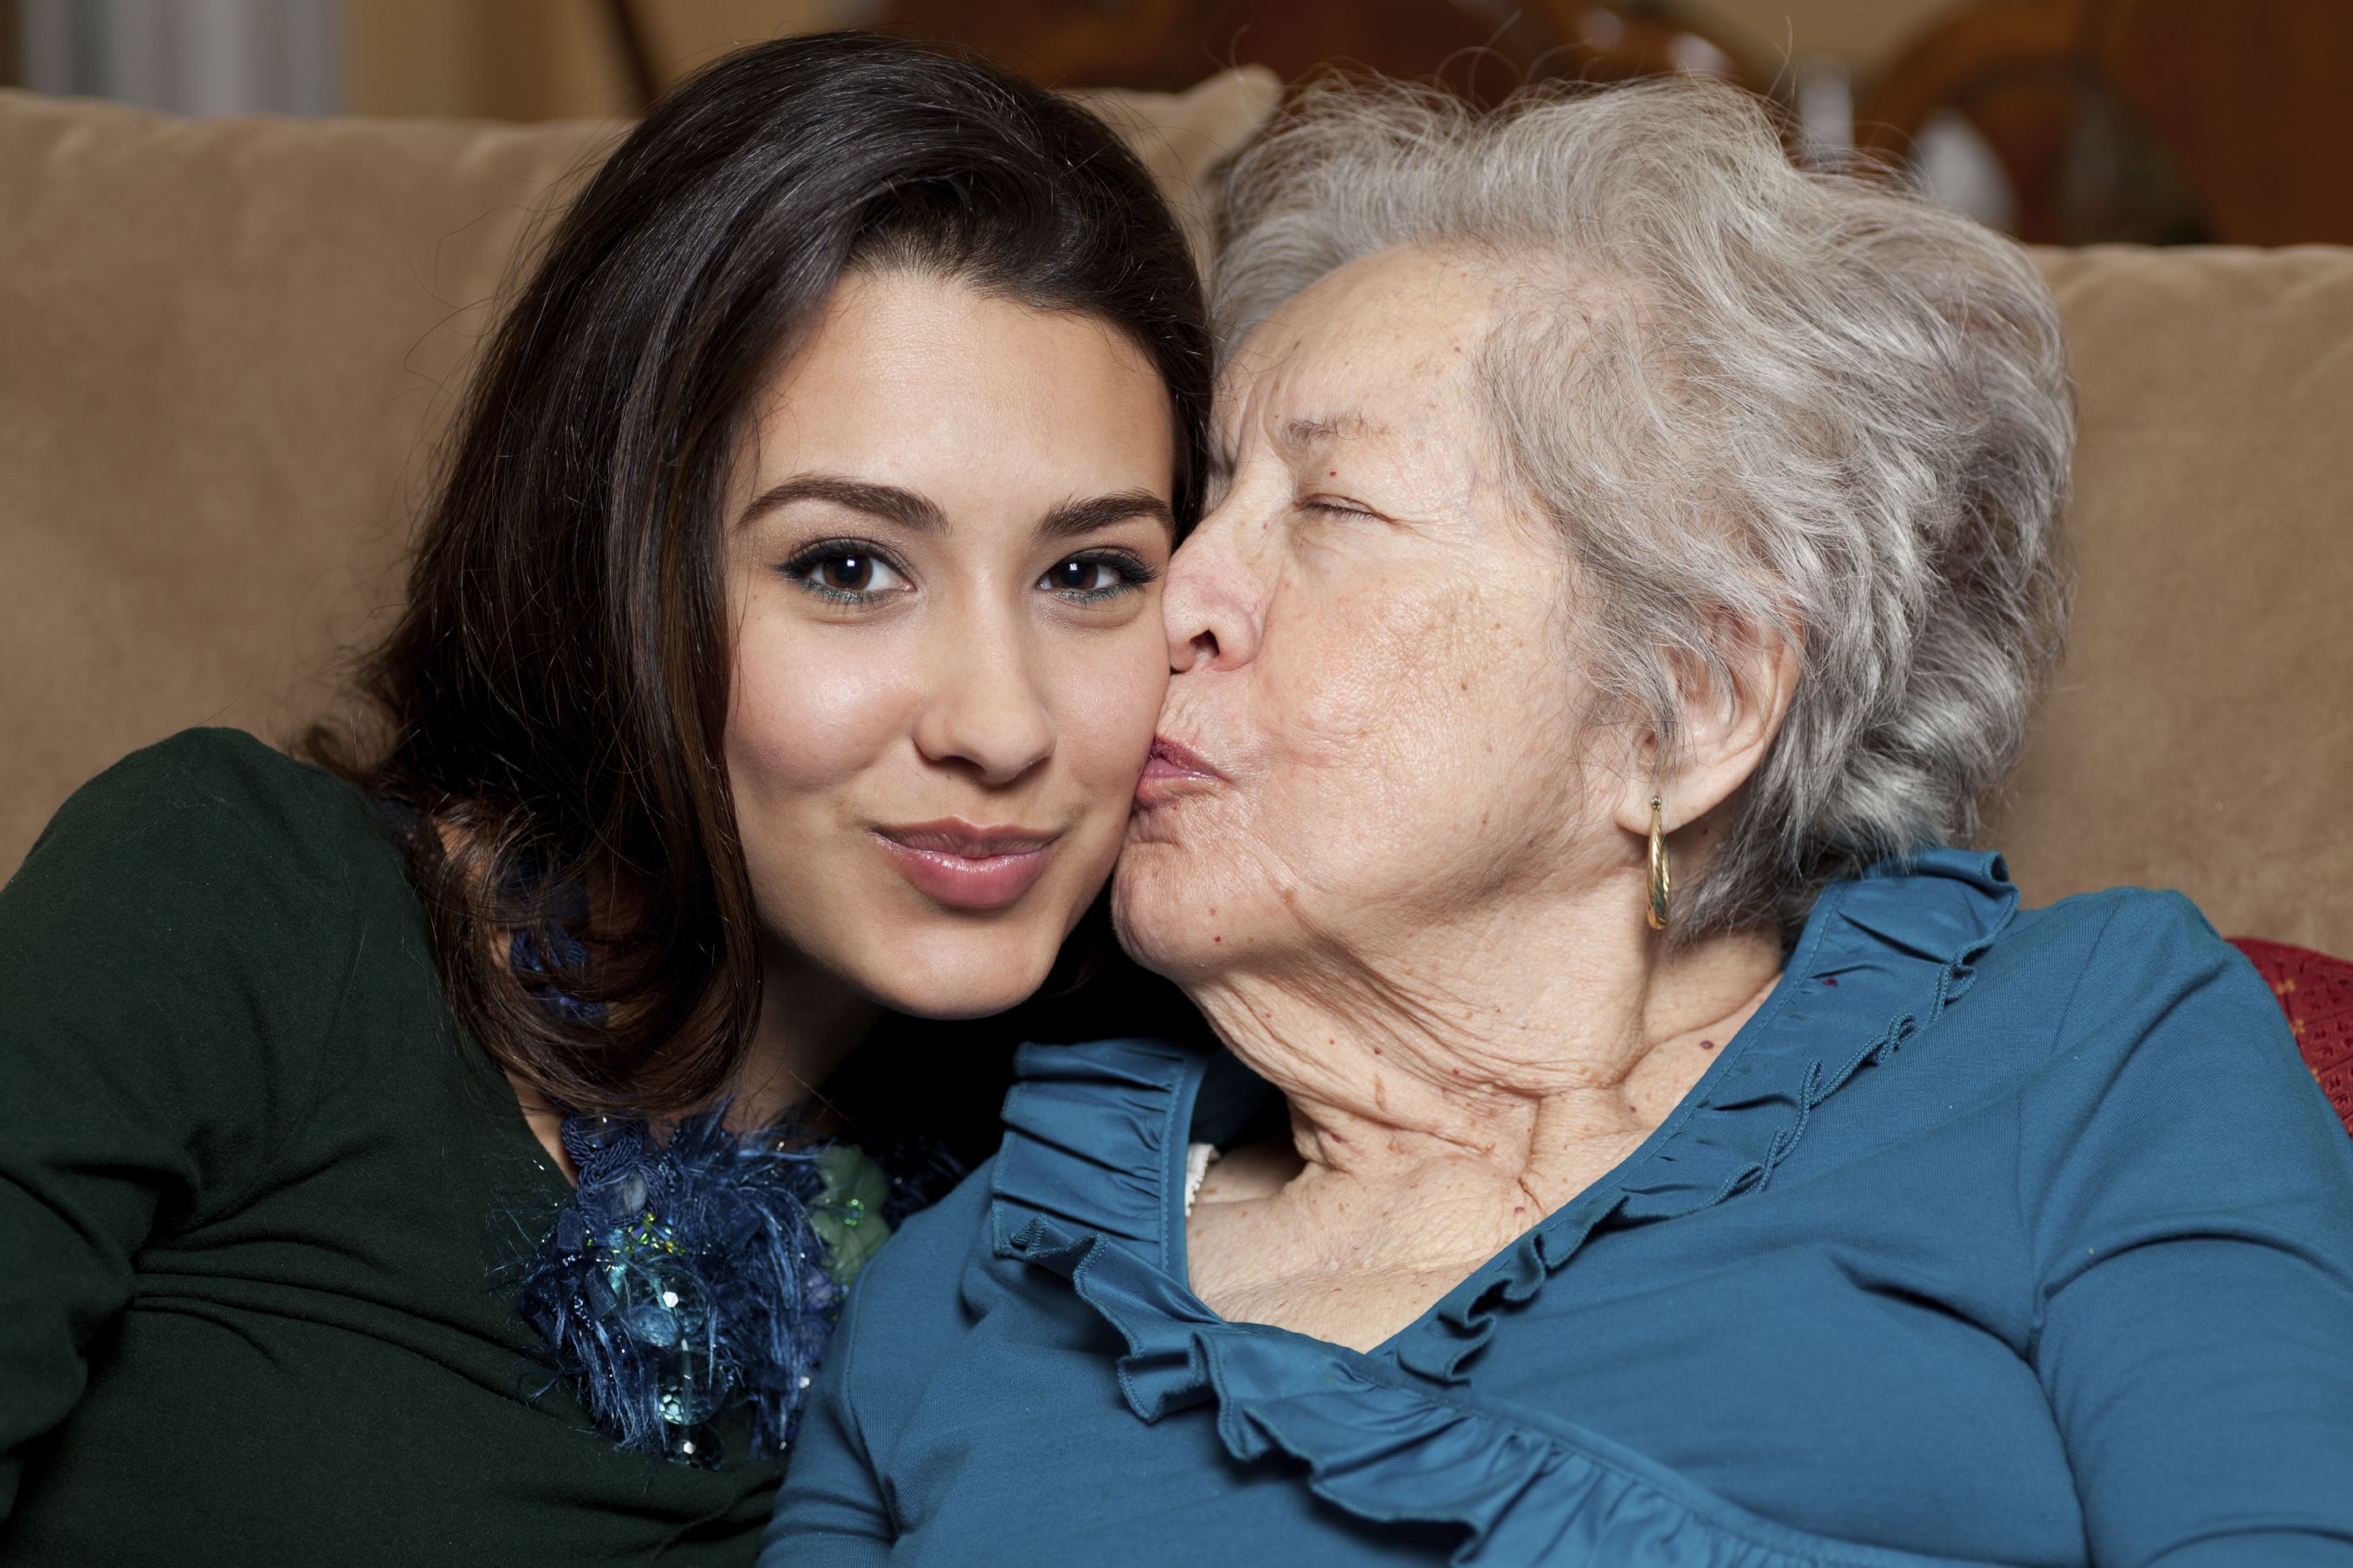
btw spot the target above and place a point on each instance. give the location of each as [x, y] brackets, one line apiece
[1096, 577]
[849, 573]
[846, 573]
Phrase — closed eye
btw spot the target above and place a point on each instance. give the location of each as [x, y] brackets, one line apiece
[1331, 506]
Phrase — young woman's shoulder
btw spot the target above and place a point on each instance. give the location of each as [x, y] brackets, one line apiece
[209, 794]
[182, 957]
[192, 915]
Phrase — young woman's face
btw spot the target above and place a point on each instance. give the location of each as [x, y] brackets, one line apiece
[944, 548]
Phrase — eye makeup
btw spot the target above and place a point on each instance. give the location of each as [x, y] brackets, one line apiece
[847, 571]
[1127, 572]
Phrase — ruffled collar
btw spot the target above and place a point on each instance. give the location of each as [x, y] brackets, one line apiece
[1089, 1185]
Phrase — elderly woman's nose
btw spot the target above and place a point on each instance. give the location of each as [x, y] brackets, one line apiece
[1209, 602]
[986, 711]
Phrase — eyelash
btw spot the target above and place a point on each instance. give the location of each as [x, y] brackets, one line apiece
[1335, 508]
[802, 569]
[1130, 573]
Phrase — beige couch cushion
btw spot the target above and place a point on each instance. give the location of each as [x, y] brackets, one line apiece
[2199, 734]
[229, 344]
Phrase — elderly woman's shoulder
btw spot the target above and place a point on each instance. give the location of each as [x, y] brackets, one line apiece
[2113, 922]
[2143, 972]
[929, 1245]
[911, 1301]
[2163, 1086]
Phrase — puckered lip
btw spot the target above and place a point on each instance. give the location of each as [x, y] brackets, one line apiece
[953, 836]
[1175, 760]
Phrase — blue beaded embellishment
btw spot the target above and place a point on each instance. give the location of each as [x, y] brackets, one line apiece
[691, 1273]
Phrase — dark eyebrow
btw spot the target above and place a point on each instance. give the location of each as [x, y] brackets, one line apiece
[1073, 519]
[888, 502]
[923, 515]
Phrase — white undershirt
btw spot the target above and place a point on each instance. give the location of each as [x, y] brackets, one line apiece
[1198, 1157]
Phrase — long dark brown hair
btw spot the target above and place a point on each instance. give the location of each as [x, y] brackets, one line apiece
[556, 689]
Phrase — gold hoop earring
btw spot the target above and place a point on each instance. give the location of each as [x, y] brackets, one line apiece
[1661, 879]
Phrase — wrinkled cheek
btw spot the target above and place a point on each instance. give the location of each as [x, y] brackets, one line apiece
[1384, 753]
[1365, 676]
[1365, 723]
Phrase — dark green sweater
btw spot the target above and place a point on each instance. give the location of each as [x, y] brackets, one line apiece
[255, 1188]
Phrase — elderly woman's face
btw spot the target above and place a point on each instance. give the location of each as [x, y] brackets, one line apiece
[1370, 726]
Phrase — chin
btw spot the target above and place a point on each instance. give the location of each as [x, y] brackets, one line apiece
[956, 973]
[1164, 934]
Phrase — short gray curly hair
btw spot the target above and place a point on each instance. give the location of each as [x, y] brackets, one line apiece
[1809, 404]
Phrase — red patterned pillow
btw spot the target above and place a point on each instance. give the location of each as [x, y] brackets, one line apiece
[2316, 992]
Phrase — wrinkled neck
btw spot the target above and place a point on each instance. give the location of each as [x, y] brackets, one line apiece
[1515, 1046]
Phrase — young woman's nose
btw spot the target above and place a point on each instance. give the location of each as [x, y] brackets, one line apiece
[1210, 601]
[988, 712]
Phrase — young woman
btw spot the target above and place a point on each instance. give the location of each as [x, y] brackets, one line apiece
[424, 1158]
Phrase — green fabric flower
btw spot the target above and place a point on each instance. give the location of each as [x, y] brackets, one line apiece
[848, 1213]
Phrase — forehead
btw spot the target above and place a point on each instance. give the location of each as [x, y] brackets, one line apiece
[933, 385]
[1388, 339]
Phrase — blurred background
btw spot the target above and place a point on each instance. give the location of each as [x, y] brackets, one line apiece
[2064, 121]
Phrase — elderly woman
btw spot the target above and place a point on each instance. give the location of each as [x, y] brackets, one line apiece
[1639, 1139]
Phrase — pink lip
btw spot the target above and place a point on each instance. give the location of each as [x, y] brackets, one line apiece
[968, 868]
[1173, 769]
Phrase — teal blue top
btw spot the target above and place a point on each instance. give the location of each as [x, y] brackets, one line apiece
[1994, 1237]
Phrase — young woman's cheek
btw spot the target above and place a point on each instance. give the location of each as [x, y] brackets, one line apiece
[812, 708]
[1106, 703]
